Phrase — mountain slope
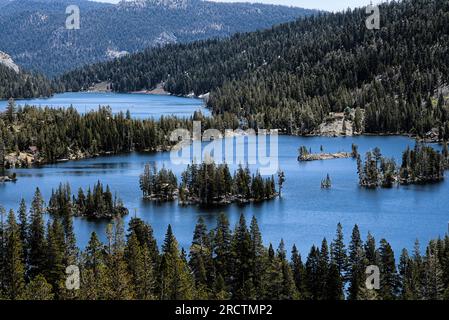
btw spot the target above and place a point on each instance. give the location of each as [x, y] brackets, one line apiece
[33, 31]
[22, 85]
[292, 76]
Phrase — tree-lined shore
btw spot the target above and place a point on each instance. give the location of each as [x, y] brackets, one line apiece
[34, 135]
[221, 263]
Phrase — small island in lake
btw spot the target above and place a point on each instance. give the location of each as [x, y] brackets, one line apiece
[307, 155]
[420, 165]
[95, 204]
[207, 184]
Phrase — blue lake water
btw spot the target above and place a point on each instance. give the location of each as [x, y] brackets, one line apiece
[304, 215]
[140, 105]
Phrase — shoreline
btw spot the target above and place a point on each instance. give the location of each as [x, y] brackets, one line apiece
[84, 156]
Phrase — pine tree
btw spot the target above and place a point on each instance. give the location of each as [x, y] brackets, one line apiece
[3, 241]
[140, 268]
[37, 253]
[175, 282]
[334, 284]
[288, 286]
[433, 275]
[388, 275]
[222, 248]
[299, 274]
[39, 289]
[201, 257]
[55, 256]
[356, 268]
[371, 253]
[338, 252]
[243, 287]
[323, 269]
[117, 274]
[220, 289]
[273, 277]
[94, 282]
[258, 256]
[281, 181]
[418, 270]
[312, 274]
[405, 276]
[144, 234]
[23, 226]
[14, 277]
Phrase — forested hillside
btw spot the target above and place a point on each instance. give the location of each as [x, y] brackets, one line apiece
[22, 85]
[292, 76]
[33, 32]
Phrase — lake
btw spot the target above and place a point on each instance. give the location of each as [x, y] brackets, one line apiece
[140, 105]
[304, 215]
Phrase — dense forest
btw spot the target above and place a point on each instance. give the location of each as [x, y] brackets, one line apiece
[34, 33]
[421, 165]
[98, 203]
[207, 184]
[22, 85]
[70, 135]
[291, 76]
[221, 263]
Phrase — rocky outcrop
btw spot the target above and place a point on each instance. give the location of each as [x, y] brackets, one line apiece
[21, 160]
[339, 124]
[324, 156]
[6, 60]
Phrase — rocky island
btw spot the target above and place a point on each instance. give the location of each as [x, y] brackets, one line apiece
[307, 155]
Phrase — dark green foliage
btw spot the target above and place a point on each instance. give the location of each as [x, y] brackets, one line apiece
[23, 85]
[293, 75]
[36, 237]
[221, 265]
[159, 185]
[206, 184]
[388, 275]
[65, 134]
[356, 265]
[96, 203]
[326, 183]
[421, 165]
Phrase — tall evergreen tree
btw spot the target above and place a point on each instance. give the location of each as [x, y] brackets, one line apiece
[94, 282]
[299, 274]
[338, 252]
[243, 287]
[14, 278]
[176, 282]
[117, 274]
[388, 275]
[356, 268]
[37, 253]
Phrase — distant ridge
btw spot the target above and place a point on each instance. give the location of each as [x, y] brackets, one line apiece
[33, 31]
